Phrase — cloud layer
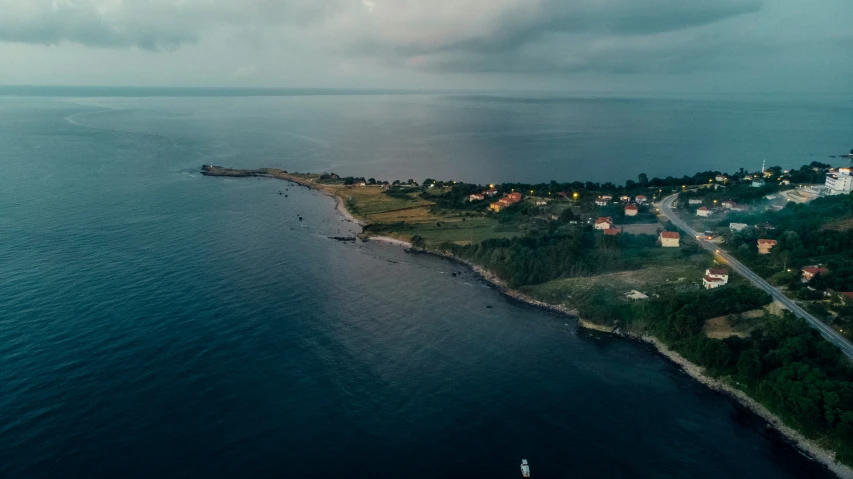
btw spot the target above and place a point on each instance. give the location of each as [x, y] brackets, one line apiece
[442, 37]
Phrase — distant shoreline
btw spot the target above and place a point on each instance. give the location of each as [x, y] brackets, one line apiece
[797, 440]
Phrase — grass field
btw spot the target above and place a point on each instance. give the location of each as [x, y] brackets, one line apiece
[659, 271]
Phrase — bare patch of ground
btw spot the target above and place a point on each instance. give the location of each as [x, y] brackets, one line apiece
[642, 229]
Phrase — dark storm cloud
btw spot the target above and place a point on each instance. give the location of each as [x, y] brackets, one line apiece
[507, 26]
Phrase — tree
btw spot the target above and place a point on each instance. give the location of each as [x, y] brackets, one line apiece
[643, 179]
[749, 366]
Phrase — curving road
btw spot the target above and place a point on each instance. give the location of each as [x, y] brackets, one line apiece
[828, 333]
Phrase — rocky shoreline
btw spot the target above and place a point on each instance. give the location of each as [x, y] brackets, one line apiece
[805, 445]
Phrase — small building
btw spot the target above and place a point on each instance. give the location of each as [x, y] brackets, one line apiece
[721, 178]
[711, 283]
[703, 211]
[785, 181]
[502, 203]
[728, 204]
[738, 226]
[604, 223]
[765, 226]
[603, 200]
[765, 246]
[640, 199]
[631, 210]
[740, 208]
[669, 239]
[635, 295]
[810, 272]
[476, 197]
[612, 231]
[770, 197]
[757, 183]
[694, 201]
[490, 192]
[721, 274]
[624, 198]
[515, 196]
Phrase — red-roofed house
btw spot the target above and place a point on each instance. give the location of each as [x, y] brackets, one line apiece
[703, 211]
[515, 197]
[715, 277]
[810, 272]
[765, 245]
[604, 223]
[603, 200]
[611, 231]
[631, 210]
[490, 192]
[669, 239]
[640, 199]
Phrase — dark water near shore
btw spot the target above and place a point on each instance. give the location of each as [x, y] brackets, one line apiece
[156, 323]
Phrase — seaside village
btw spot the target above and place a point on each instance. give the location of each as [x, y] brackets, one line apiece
[708, 208]
[736, 209]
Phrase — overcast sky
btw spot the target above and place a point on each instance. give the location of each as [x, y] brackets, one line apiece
[573, 45]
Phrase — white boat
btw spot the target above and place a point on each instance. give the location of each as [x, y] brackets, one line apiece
[525, 469]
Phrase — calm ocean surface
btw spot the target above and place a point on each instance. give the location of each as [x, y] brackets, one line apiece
[156, 323]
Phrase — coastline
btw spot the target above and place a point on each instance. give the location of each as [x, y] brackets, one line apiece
[806, 446]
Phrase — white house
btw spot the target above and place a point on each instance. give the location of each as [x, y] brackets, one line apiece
[603, 200]
[669, 239]
[715, 277]
[738, 226]
[541, 203]
[640, 199]
[721, 178]
[631, 210]
[604, 223]
[694, 201]
[839, 182]
[703, 211]
[729, 204]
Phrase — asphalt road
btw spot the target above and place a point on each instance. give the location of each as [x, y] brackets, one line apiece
[828, 333]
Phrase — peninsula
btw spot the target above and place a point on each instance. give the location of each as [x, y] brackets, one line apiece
[675, 273]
